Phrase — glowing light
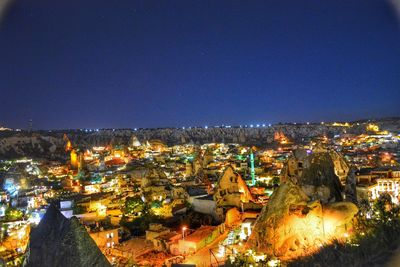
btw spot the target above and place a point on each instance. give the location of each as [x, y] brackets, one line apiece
[221, 251]
[372, 127]
[273, 263]
[74, 158]
[184, 228]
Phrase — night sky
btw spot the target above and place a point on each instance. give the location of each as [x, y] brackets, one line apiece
[115, 63]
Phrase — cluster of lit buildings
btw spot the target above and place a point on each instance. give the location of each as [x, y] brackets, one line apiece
[230, 183]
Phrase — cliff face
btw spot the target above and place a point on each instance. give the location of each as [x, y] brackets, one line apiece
[58, 241]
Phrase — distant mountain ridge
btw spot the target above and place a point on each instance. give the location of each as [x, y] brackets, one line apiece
[50, 144]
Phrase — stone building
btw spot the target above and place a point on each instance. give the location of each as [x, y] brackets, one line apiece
[231, 190]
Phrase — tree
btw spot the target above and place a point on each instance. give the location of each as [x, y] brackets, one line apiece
[13, 214]
[276, 180]
[385, 211]
[134, 204]
[78, 209]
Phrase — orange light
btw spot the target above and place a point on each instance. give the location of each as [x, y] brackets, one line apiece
[183, 232]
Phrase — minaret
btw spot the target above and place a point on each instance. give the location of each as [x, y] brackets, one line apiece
[30, 125]
[252, 172]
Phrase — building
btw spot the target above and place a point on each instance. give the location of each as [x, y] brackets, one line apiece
[204, 204]
[385, 185]
[198, 239]
[66, 208]
[155, 230]
[231, 190]
[105, 239]
[164, 242]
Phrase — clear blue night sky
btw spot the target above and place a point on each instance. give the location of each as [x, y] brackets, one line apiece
[115, 63]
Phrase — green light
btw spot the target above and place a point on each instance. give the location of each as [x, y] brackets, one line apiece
[252, 172]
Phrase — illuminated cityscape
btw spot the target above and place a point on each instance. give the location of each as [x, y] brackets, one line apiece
[199, 133]
[144, 202]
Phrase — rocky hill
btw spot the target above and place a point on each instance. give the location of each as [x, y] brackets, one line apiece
[50, 144]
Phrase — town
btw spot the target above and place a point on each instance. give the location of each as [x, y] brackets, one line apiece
[147, 203]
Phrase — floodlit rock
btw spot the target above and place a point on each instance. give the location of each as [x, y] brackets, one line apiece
[307, 210]
[58, 241]
[291, 225]
[135, 141]
[231, 190]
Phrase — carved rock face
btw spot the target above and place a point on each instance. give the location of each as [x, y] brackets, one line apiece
[291, 225]
[324, 175]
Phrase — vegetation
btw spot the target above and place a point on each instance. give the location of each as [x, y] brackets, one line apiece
[13, 214]
[134, 205]
[139, 225]
[79, 209]
[376, 241]
[262, 184]
[276, 180]
[194, 219]
[3, 232]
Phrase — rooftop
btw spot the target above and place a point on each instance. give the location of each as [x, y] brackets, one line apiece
[200, 234]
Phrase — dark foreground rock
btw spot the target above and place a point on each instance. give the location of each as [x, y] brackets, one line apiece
[58, 241]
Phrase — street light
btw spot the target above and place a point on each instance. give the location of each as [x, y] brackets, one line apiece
[184, 228]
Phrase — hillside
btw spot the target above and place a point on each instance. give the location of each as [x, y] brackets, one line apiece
[50, 144]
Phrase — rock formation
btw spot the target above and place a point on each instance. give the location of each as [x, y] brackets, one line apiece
[135, 141]
[58, 241]
[231, 190]
[292, 225]
[307, 210]
[255, 136]
[323, 175]
[14, 144]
